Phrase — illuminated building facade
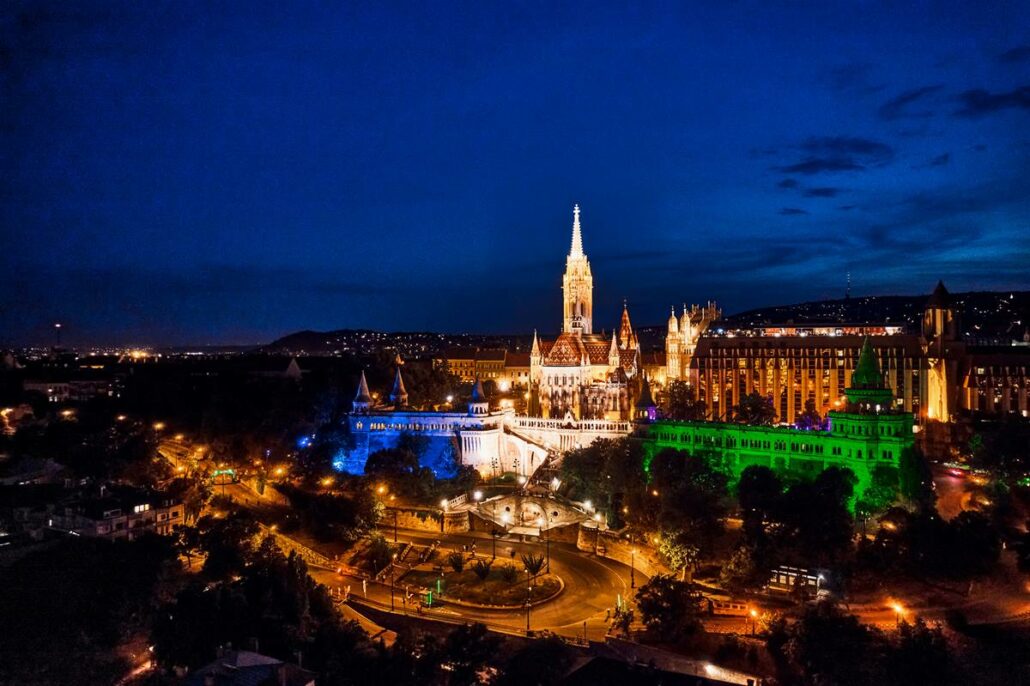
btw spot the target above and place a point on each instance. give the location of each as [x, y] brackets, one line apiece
[868, 432]
[934, 373]
[682, 335]
[475, 437]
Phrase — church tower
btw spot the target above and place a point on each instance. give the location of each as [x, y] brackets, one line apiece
[577, 285]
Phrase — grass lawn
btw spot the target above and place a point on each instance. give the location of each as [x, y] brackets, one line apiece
[493, 591]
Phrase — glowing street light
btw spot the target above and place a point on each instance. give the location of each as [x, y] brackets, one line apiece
[450, 398]
[477, 496]
[159, 426]
[899, 612]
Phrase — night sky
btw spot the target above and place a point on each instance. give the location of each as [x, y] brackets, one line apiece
[228, 173]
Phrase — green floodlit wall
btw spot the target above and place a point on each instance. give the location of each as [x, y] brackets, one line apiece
[859, 442]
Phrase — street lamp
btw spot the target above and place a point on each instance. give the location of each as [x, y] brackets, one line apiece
[754, 620]
[632, 577]
[899, 611]
[597, 531]
[394, 521]
[477, 496]
[547, 541]
[392, 561]
[529, 593]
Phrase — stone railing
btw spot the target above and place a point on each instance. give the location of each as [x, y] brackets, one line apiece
[588, 425]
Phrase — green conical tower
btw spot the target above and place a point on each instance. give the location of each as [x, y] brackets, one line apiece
[867, 372]
[868, 392]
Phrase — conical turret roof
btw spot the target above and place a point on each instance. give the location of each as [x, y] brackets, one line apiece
[867, 372]
[646, 400]
[399, 394]
[363, 395]
[940, 298]
[627, 339]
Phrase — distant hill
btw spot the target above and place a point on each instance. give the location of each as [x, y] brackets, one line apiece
[410, 344]
[986, 315]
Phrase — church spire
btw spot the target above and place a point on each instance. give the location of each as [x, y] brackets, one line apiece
[577, 235]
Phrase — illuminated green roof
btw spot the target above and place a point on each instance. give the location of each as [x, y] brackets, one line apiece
[867, 371]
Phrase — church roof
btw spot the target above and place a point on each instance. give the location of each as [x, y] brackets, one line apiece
[570, 350]
[940, 298]
[363, 395]
[867, 370]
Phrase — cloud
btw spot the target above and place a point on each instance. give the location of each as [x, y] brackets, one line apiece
[847, 145]
[823, 192]
[792, 211]
[941, 160]
[978, 102]
[787, 183]
[1020, 53]
[898, 107]
[817, 165]
[838, 153]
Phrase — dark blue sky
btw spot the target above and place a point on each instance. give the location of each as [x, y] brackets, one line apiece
[209, 172]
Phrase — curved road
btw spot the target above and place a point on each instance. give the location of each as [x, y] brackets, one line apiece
[592, 585]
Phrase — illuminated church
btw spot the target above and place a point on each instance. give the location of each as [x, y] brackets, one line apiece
[581, 374]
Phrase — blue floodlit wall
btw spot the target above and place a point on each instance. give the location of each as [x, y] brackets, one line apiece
[439, 450]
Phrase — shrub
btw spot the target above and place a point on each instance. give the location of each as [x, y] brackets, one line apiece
[481, 568]
[533, 563]
[509, 573]
[457, 561]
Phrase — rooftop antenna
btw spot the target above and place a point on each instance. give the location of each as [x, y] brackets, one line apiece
[847, 291]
